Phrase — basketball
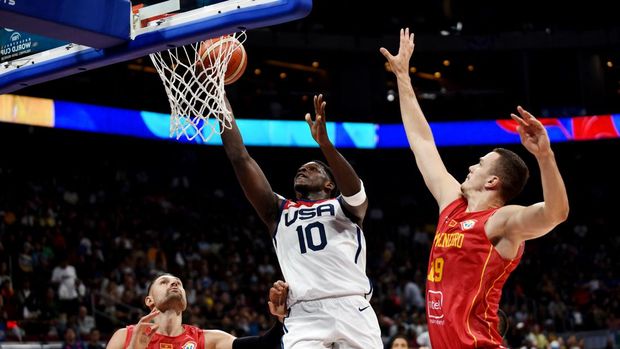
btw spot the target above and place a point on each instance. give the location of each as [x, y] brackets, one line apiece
[211, 49]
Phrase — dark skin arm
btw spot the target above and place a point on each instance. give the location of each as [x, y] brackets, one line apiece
[252, 179]
[346, 178]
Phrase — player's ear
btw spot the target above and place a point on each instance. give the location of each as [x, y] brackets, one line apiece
[330, 185]
[149, 301]
[492, 183]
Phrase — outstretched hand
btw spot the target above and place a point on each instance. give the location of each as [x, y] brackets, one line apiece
[532, 132]
[317, 126]
[277, 299]
[143, 331]
[400, 63]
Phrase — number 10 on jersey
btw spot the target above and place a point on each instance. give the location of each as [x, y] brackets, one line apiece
[306, 239]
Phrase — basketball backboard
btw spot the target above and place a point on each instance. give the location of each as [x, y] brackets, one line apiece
[28, 58]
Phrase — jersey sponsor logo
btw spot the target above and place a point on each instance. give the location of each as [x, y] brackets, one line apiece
[309, 213]
[165, 345]
[452, 223]
[468, 224]
[189, 345]
[449, 240]
[434, 303]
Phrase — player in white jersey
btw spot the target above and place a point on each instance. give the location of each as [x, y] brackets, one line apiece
[319, 243]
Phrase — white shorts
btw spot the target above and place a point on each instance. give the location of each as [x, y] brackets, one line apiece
[342, 323]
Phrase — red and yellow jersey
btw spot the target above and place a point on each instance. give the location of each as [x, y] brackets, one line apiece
[191, 338]
[464, 281]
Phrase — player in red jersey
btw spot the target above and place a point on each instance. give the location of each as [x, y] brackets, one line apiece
[162, 328]
[479, 239]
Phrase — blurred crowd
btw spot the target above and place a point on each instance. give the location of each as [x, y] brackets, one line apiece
[78, 248]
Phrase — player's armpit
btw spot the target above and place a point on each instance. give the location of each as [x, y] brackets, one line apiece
[355, 213]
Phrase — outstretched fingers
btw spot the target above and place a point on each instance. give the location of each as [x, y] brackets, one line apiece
[404, 33]
[530, 119]
[516, 118]
[308, 118]
[405, 49]
[386, 54]
[522, 124]
[523, 118]
[320, 117]
[318, 100]
[527, 120]
[526, 115]
[312, 123]
[406, 37]
[319, 108]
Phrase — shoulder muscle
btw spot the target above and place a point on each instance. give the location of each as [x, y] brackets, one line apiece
[118, 339]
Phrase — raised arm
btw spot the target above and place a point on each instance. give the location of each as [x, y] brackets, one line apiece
[441, 184]
[519, 223]
[252, 179]
[346, 179]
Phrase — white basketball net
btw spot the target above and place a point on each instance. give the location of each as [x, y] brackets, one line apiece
[196, 95]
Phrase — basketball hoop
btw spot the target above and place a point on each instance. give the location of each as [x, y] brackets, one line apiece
[195, 91]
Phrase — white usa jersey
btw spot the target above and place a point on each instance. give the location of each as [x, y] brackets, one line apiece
[322, 253]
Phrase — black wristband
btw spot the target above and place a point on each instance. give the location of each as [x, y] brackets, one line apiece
[270, 340]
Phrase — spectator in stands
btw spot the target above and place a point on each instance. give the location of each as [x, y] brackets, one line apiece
[424, 340]
[71, 340]
[29, 307]
[412, 296]
[25, 260]
[65, 277]
[398, 342]
[537, 338]
[94, 340]
[85, 322]
[8, 299]
[573, 343]
[4, 272]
